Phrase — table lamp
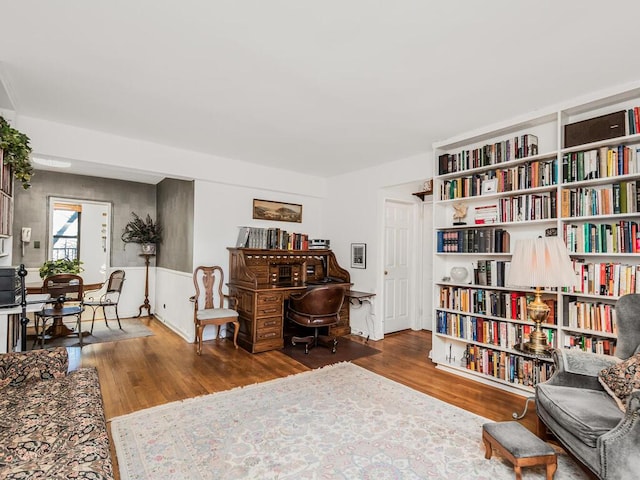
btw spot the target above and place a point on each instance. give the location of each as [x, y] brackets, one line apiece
[541, 262]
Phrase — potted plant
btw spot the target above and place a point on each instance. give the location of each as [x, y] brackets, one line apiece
[143, 231]
[64, 265]
[17, 152]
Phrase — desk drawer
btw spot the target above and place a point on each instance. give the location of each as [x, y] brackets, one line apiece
[269, 304]
[271, 322]
[268, 334]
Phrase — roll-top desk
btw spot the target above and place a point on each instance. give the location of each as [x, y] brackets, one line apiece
[262, 281]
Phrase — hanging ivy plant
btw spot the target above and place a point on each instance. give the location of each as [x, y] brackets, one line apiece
[17, 152]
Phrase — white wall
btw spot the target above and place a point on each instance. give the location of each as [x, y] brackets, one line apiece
[64, 141]
[362, 222]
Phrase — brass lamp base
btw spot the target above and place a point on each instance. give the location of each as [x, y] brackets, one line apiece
[538, 312]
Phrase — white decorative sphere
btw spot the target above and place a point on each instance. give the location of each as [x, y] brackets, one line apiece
[459, 274]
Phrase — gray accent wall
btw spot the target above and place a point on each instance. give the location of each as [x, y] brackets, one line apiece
[31, 210]
[175, 214]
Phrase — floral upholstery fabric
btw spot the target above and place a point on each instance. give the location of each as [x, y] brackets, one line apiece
[621, 380]
[53, 428]
[18, 368]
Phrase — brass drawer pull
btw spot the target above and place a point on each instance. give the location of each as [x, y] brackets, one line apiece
[270, 310]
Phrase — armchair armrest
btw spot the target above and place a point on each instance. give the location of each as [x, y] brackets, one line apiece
[232, 301]
[575, 368]
[22, 367]
[619, 447]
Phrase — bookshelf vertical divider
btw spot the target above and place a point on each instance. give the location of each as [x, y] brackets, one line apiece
[517, 180]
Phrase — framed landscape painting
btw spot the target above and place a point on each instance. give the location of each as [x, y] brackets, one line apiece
[278, 211]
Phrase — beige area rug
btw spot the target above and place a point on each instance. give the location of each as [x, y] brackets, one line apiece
[337, 422]
[131, 328]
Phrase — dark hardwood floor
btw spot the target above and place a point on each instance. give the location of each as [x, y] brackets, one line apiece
[149, 371]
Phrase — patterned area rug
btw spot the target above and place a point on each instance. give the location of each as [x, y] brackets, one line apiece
[337, 422]
[131, 328]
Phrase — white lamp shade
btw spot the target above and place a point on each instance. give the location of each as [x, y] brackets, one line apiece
[541, 262]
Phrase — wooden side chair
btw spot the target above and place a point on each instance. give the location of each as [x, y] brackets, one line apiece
[208, 304]
[66, 291]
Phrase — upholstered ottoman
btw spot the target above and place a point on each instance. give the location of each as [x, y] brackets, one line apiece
[518, 445]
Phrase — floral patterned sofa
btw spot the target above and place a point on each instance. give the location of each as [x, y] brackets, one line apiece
[52, 423]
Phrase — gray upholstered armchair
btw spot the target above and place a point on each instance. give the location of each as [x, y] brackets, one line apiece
[583, 416]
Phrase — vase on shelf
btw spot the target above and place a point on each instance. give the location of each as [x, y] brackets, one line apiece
[459, 274]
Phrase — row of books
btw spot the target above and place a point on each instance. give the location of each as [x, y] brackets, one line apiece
[485, 214]
[633, 120]
[474, 240]
[483, 330]
[606, 278]
[514, 148]
[507, 305]
[507, 367]
[519, 177]
[272, 239]
[600, 317]
[491, 272]
[603, 346]
[610, 199]
[600, 163]
[522, 208]
[619, 237]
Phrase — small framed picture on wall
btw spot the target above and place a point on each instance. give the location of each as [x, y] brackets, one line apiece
[358, 255]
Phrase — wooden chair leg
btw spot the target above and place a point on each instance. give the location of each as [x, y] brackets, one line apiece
[199, 329]
[236, 328]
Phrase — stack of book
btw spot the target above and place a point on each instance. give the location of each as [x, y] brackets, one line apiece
[486, 214]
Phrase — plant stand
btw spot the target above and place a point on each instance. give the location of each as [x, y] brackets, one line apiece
[146, 305]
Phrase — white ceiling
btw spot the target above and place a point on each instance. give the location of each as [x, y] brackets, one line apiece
[321, 87]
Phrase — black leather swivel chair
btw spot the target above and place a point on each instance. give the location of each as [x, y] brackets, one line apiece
[317, 308]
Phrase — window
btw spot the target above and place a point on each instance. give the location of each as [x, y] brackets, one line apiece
[66, 231]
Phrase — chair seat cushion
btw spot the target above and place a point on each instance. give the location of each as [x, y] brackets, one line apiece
[587, 414]
[312, 320]
[213, 313]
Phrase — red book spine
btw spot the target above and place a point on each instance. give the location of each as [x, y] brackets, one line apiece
[514, 305]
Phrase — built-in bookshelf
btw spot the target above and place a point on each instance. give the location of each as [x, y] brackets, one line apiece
[517, 180]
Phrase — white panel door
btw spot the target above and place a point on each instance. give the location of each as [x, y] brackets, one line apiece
[397, 244]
